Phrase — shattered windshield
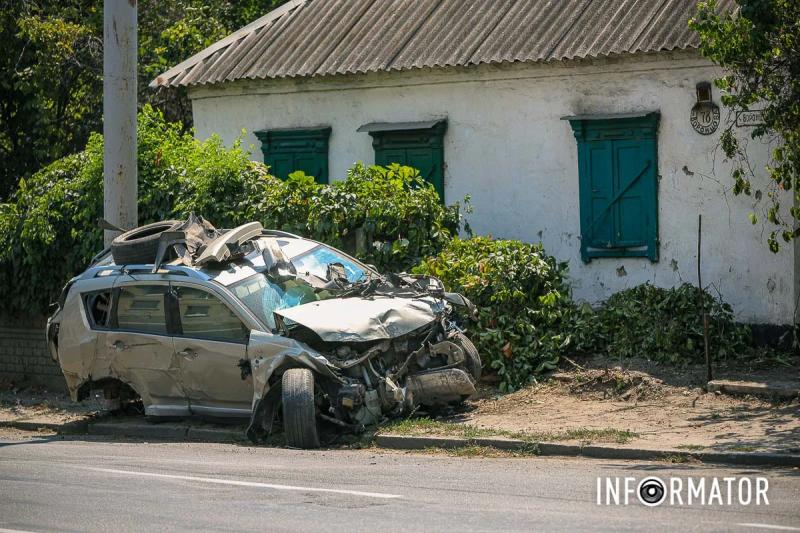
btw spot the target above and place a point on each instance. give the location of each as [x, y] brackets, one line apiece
[316, 262]
[263, 297]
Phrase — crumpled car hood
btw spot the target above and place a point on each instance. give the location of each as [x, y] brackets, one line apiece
[359, 319]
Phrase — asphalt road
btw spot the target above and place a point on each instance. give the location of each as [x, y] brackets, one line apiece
[106, 485]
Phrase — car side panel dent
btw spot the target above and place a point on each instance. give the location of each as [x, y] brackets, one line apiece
[76, 341]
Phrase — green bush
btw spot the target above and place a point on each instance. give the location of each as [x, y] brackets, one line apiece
[527, 320]
[665, 325]
[49, 230]
[399, 214]
[525, 310]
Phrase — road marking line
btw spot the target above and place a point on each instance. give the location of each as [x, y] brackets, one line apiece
[770, 526]
[237, 483]
[3, 530]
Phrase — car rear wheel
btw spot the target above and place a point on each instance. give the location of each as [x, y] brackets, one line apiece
[140, 245]
[299, 411]
[473, 358]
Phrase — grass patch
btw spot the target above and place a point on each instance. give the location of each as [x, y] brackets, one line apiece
[427, 426]
[617, 436]
[677, 459]
[742, 448]
[691, 447]
[474, 451]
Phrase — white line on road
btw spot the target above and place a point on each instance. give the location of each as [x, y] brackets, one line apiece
[3, 530]
[237, 483]
[770, 526]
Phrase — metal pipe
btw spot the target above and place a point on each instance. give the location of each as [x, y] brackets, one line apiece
[119, 115]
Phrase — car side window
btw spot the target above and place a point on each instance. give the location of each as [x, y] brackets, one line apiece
[98, 308]
[141, 308]
[205, 316]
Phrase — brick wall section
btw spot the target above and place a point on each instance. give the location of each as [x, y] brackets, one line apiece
[24, 356]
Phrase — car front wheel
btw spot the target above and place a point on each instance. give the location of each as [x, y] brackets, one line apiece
[299, 411]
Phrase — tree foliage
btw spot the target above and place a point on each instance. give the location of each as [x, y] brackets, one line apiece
[49, 231]
[51, 69]
[758, 45]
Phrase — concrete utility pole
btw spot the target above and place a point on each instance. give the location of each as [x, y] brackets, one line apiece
[119, 115]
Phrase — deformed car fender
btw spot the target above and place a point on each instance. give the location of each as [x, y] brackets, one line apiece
[267, 354]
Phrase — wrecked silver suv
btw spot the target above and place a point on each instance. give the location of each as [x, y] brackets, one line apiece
[261, 324]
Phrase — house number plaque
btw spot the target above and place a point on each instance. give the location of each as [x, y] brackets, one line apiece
[705, 118]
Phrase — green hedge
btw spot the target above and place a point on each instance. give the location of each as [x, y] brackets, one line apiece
[525, 310]
[527, 319]
[49, 230]
[665, 325]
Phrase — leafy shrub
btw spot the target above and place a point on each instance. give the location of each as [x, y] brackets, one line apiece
[49, 230]
[399, 213]
[665, 325]
[525, 309]
[527, 319]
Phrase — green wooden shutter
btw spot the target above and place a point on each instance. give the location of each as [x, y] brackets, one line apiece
[599, 218]
[287, 151]
[418, 147]
[618, 180]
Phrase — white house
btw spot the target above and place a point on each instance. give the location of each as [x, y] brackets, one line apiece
[588, 125]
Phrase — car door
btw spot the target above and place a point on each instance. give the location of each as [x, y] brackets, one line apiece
[139, 344]
[210, 343]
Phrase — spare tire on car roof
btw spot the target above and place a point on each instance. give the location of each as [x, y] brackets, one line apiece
[140, 245]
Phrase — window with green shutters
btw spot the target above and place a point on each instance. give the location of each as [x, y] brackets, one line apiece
[290, 150]
[414, 144]
[618, 180]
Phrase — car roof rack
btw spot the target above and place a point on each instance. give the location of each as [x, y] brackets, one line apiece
[279, 233]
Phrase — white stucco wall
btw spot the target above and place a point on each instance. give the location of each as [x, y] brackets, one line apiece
[507, 147]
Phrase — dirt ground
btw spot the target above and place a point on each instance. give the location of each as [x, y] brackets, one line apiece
[666, 408]
[35, 403]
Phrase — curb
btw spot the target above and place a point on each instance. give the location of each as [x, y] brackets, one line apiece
[166, 431]
[402, 442]
[76, 426]
[146, 431]
[753, 388]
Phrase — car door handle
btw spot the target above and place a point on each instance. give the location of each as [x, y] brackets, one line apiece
[188, 353]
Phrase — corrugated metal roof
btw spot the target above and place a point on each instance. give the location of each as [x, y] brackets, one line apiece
[329, 37]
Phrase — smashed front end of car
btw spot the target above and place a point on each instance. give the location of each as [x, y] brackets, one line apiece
[380, 347]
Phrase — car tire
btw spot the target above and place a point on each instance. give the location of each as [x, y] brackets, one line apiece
[299, 411]
[473, 358]
[140, 245]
